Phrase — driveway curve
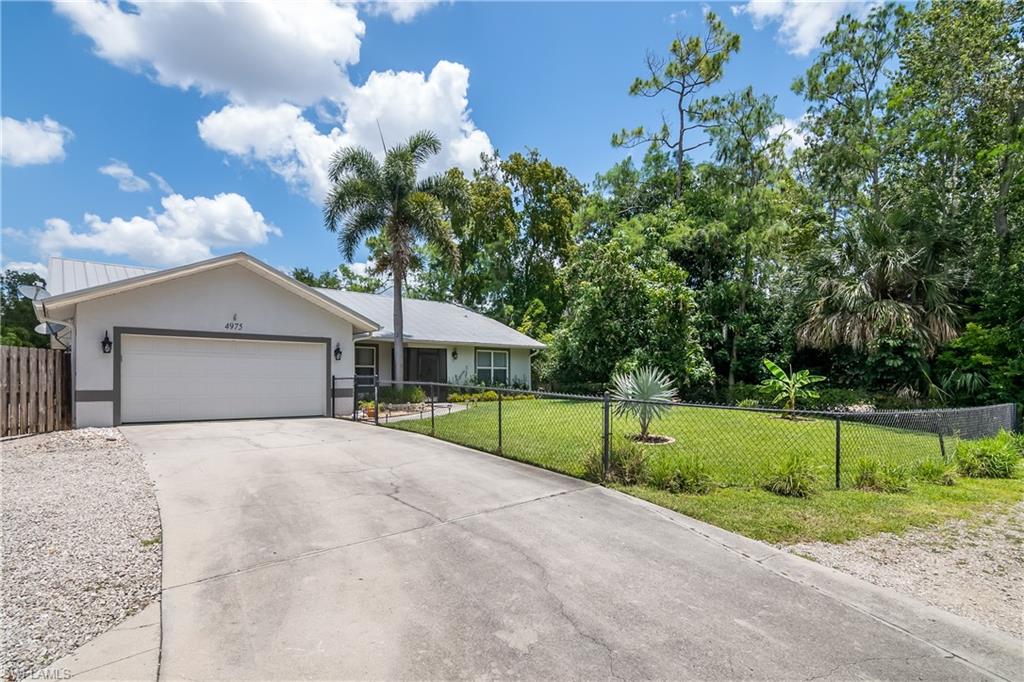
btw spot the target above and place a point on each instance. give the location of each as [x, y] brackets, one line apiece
[321, 549]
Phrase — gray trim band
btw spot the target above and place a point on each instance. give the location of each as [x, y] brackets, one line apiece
[94, 396]
[193, 334]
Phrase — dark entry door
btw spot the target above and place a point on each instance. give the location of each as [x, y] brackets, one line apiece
[426, 364]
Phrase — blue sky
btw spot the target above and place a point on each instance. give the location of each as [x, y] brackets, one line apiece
[237, 108]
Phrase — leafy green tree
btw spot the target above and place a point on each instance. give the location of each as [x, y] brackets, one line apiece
[848, 120]
[345, 277]
[629, 306]
[749, 147]
[387, 199]
[694, 64]
[518, 228]
[625, 192]
[17, 318]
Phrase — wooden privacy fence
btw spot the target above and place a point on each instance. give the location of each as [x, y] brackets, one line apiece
[35, 395]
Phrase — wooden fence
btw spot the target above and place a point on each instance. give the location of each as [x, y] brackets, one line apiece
[35, 390]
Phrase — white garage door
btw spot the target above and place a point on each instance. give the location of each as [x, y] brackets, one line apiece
[168, 378]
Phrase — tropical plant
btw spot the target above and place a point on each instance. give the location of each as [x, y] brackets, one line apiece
[644, 394]
[795, 476]
[369, 198]
[995, 457]
[789, 387]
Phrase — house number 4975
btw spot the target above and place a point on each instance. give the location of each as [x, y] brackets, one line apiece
[233, 326]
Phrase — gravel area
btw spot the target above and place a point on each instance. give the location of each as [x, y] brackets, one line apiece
[80, 543]
[974, 568]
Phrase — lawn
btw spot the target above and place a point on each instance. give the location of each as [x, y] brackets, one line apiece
[836, 515]
[736, 445]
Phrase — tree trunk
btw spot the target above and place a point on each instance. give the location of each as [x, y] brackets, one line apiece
[398, 373]
[747, 275]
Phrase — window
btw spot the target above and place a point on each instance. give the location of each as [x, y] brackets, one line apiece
[492, 367]
[366, 361]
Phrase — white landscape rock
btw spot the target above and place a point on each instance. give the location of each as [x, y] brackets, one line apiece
[81, 543]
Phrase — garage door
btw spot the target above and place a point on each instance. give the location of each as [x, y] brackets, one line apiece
[167, 378]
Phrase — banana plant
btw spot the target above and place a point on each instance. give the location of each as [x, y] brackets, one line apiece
[789, 387]
[644, 393]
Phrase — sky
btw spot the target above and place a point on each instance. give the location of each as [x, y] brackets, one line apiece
[161, 134]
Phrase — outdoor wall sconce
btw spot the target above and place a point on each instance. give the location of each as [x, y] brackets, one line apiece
[106, 344]
[455, 354]
[337, 351]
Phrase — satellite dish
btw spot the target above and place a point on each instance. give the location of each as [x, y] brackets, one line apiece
[33, 292]
[49, 328]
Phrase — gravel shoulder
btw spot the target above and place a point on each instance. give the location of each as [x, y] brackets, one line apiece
[80, 543]
[974, 568]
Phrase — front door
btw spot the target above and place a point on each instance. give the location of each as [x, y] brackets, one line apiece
[427, 365]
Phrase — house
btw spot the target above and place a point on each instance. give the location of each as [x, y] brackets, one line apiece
[231, 337]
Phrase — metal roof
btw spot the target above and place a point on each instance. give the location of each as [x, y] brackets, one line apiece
[432, 321]
[426, 321]
[70, 274]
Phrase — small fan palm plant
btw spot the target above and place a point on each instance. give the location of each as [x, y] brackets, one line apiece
[644, 393]
[789, 387]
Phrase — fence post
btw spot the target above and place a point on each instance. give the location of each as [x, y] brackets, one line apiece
[355, 399]
[334, 401]
[499, 423]
[606, 449]
[838, 449]
[376, 401]
[433, 394]
[942, 440]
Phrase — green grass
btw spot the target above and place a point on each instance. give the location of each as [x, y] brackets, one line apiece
[736, 445]
[836, 515]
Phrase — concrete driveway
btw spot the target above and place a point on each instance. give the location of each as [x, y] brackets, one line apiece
[315, 548]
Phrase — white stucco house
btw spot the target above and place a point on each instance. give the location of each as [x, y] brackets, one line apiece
[231, 337]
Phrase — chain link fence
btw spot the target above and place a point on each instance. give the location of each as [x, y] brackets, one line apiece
[585, 436]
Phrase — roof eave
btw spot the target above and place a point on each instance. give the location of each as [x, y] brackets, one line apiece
[73, 298]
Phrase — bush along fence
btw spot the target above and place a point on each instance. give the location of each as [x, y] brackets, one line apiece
[35, 390]
[596, 437]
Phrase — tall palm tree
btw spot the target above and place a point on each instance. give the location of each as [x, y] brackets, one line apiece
[368, 197]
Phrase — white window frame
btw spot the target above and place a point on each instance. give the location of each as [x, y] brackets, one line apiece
[355, 358]
[489, 368]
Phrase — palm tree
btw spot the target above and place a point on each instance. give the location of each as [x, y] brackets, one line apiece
[369, 198]
[887, 280]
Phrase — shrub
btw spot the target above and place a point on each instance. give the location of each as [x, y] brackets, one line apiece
[795, 476]
[995, 457]
[880, 476]
[628, 462]
[936, 472]
[865, 473]
[627, 465]
[408, 394]
[487, 396]
[748, 402]
[687, 474]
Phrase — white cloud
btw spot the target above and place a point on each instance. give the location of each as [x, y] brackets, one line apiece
[795, 138]
[161, 184]
[31, 142]
[256, 52]
[127, 180]
[400, 102]
[186, 230]
[801, 23]
[25, 266]
[401, 11]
